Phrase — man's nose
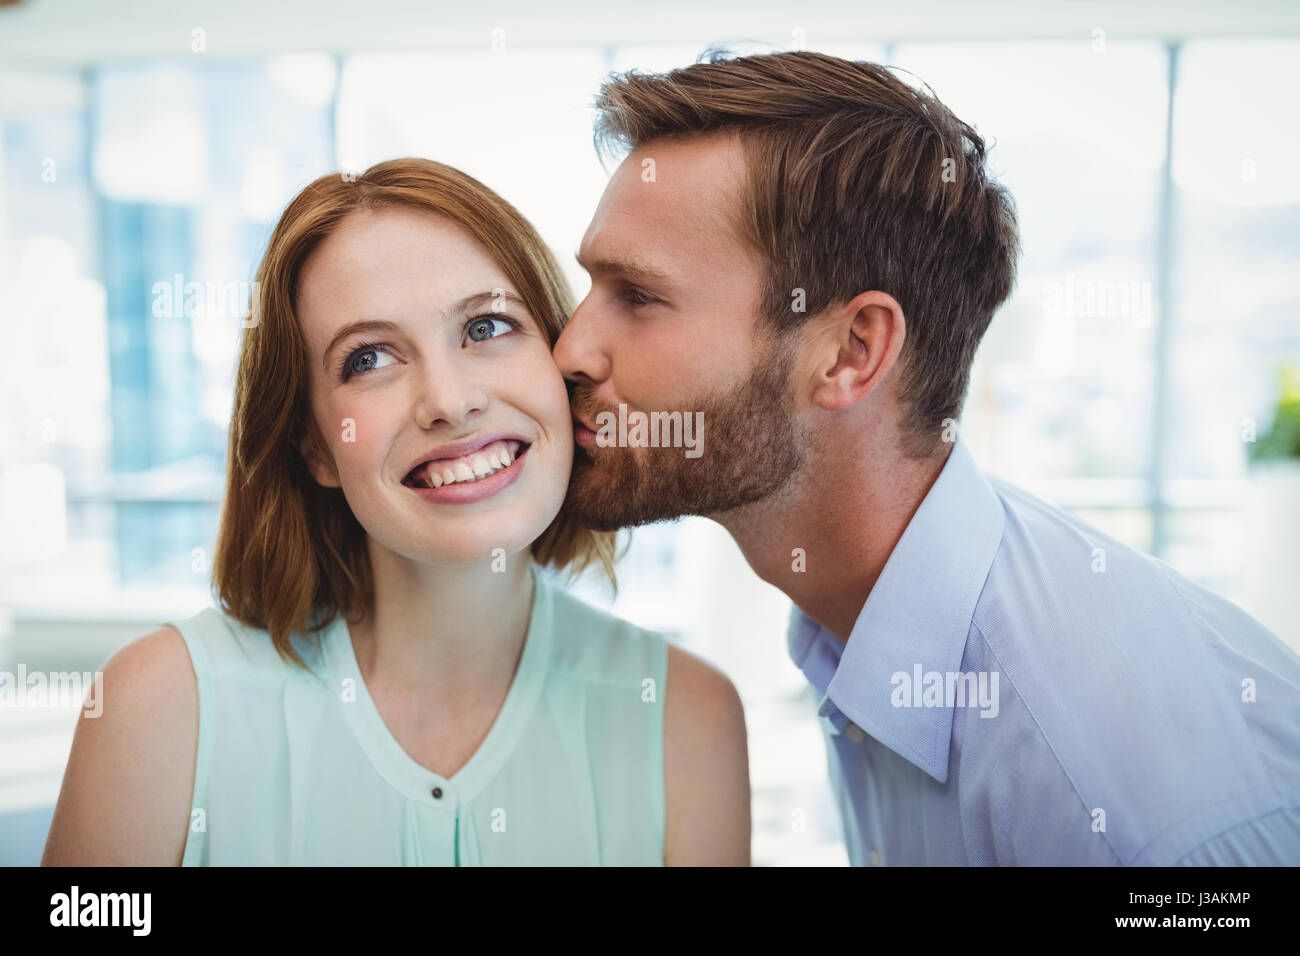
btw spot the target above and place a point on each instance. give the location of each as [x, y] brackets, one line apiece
[579, 351]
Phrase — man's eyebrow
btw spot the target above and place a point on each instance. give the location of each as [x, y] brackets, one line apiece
[471, 303]
[620, 265]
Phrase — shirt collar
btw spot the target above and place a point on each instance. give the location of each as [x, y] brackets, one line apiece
[916, 619]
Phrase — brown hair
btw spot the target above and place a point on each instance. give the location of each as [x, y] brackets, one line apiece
[289, 549]
[854, 181]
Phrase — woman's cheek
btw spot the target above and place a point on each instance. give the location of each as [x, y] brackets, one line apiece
[355, 439]
[550, 398]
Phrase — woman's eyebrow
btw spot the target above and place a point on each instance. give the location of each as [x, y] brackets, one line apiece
[471, 303]
[483, 300]
[368, 325]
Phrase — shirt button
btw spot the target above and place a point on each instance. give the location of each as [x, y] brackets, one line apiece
[876, 858]
[855, 733]
[437, 793]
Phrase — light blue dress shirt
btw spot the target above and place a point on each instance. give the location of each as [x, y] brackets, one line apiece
[1101, 709]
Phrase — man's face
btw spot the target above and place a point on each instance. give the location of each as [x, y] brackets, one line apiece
[672, 324]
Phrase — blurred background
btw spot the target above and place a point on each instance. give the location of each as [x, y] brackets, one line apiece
[1143, 376]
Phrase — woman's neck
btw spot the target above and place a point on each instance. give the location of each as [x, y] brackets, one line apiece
[447, 633]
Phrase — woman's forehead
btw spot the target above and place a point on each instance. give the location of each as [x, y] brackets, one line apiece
[395, 258]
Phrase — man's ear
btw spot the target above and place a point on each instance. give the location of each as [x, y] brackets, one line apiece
[319, 462]
[855, 345]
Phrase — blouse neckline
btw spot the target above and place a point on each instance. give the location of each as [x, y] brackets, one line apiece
[413, 780]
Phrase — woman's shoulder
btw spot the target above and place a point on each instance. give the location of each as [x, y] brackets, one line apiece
[220, 645]
[130, 773]
[599, 644]
[700, 720]
[706, 766]
[596, 645]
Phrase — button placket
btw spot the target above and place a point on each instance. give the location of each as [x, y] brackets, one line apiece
[442, 795]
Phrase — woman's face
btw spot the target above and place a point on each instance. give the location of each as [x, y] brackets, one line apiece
[450, 366]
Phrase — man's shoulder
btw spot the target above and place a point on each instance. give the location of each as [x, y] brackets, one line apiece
[1139, 681]
[1052, 568]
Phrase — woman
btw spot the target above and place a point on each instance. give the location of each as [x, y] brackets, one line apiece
[390, 679]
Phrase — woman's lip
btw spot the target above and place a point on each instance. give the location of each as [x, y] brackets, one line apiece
[464, 449]
[459, 493]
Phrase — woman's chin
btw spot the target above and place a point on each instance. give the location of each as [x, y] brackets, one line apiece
[463, 540]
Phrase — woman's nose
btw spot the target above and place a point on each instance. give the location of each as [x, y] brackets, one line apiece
[448, 395]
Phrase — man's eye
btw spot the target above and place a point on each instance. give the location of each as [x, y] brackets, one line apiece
[636, 297]
[488, 327]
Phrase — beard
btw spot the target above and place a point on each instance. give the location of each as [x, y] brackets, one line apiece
[750, 448]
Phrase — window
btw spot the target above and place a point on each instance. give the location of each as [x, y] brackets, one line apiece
[1156, 302]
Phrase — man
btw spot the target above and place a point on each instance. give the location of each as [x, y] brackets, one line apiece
[808, 251]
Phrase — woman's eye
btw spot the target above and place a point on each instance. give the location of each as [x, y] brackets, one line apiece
[488, 327]
[366, 359]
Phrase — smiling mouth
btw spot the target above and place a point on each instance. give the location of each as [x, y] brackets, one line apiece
[468, 469]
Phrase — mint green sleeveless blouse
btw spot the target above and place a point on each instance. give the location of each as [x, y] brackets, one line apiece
[298, 768]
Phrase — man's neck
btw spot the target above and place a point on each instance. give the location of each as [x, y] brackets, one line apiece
[824, 540]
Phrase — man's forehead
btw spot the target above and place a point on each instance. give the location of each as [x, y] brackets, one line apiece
[681, 194]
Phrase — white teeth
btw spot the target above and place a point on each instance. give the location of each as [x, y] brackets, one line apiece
[487, 461]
